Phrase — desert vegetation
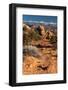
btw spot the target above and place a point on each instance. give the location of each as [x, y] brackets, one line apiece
[39, 49]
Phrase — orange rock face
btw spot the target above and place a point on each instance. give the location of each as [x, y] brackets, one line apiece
[41, 53]
[33, 65]
[47, 63]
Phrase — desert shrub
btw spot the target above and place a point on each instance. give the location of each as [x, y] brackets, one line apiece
[31, 50]
[35, 35]
[47, 35]
[29, 36]
[53, 39]
[26, 38]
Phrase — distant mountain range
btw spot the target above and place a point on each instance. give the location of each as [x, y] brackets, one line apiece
[49, 26]
[41, 22]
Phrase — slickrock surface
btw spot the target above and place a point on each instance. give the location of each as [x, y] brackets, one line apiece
[40, 49]
[47, 63]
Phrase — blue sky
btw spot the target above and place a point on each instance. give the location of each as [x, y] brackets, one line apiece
[37, 18]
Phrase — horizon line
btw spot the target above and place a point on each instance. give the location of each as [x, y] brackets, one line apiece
[41, 22]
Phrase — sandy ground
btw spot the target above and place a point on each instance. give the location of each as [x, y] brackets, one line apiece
[47, 63]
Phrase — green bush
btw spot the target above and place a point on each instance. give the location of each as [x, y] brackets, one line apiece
[53, 39]
[29, 36]
[35, 35]
[26, 38]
